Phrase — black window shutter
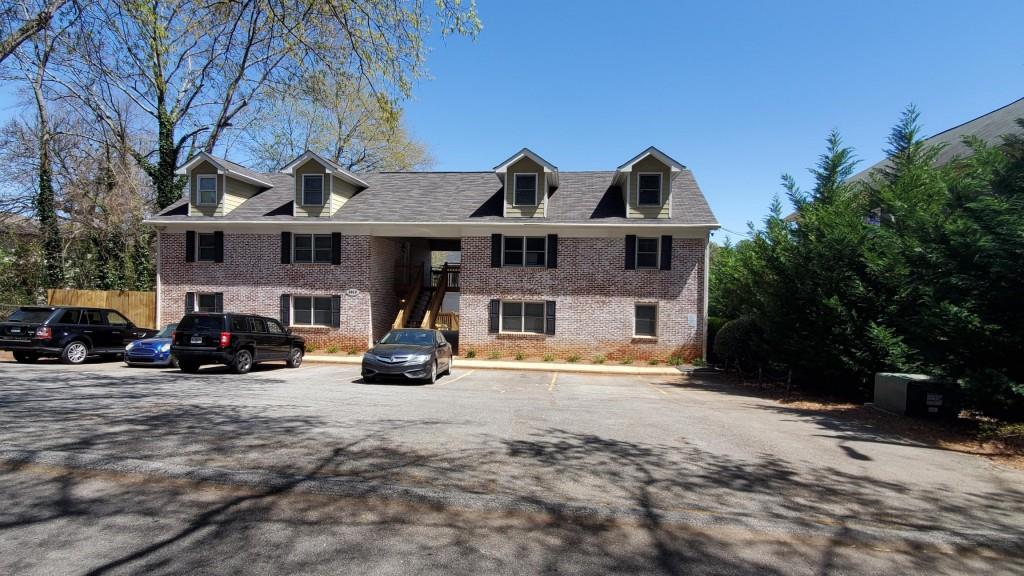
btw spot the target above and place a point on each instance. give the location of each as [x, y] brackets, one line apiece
[495, 250]
[549, 324]
[218, 238]
[630, 252]
[552, 250]
[190, 302]
[190, 246]
[286, 309]
[666, 252]
[218, 302]
[335, 311]
[336, 248]
[492, 317]
[286, 247]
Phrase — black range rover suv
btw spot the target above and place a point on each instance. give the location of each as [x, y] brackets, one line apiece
[236, 340]
[66, 332]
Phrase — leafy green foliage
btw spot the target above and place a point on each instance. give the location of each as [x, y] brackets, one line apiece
[916, 267]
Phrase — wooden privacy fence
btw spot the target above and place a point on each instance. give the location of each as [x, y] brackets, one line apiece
[448, 321]
[139, 307]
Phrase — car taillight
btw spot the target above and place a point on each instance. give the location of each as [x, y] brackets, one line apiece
[44, 332]
[225, 339]
[173, 334]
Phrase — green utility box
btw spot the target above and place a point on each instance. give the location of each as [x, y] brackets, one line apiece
[917, 395]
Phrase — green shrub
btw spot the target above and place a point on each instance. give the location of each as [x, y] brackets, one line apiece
[494, 355]
[698, 362]
[627, 360]
[674, 361]
[519, 355]
[573, 359]
[739, 342]
[715, 324]
[471, 354]
[311, 348]
[654, 361]
[549, 357]
[332, 349]
[599, 359]
[352, 351]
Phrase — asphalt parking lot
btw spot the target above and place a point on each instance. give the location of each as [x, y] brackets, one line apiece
[108, 469]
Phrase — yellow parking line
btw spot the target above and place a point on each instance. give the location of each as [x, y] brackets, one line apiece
[456, 379]
[554, 378]
[660, 391]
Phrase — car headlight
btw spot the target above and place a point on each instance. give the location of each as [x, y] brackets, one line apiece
[130, 346]
[419, 358]
[165, 347]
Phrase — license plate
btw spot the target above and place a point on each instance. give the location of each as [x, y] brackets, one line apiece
[196, 340]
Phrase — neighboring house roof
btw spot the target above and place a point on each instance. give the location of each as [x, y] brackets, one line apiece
[988, 127]
[332, 167]
[464, 197]
[228, 167]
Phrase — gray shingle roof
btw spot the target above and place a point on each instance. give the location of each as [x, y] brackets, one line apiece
[465, 197]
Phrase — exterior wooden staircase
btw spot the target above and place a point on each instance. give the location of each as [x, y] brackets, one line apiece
[421, 306]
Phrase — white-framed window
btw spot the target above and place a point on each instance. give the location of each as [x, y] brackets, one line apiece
[645, 320]
[206, 303]
[207, 186]
[529, 251]
[312, 249]
[206, 247]
[522, 317]
[311, 311]
[313, 189]
[648, 189]
[524, 190]
[647, 252]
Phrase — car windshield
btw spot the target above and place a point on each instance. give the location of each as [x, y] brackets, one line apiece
[166, 332]
[413, 337]
[30, 315]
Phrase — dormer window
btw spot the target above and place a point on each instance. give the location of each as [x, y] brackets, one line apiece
[649, 189]
[207, 190]
[313, 189]
[525, 193]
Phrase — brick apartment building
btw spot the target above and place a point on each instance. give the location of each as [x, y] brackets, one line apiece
[523, 258]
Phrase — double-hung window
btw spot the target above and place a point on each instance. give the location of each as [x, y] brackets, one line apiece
[313, 189]
[525, 251]
[206, 247]
[648, 189]
[647, 252]
[645, 320]
[207, 190]
[312, 249]
[206, 303]
[522, 317]
[525, 190]
[311, 311]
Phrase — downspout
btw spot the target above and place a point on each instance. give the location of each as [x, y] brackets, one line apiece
[707, 258]
[158, 324]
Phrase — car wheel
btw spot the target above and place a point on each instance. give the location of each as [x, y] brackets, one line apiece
[369, 379]
[242, 362]
[174, 362]
[25, 357]
[447, 368]
[295, 358]
[188, 366]
[433, 373]
[74, 353]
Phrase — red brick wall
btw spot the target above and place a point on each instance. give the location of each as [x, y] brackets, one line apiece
[595, 299]
[252, 280]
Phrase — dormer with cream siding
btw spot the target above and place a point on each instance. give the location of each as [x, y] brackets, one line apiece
[216, 186]
[527, 179]
[322, 187]
[646, 183]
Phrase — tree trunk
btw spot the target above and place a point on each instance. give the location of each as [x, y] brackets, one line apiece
[46, 211]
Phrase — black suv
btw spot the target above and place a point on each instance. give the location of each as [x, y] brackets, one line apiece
[69, 333]
[235, 340]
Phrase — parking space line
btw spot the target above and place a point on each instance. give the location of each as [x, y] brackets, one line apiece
[660, 391]
[456, 379]
[554, 378]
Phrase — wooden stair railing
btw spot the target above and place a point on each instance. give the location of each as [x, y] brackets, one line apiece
[430, 318]
[406, 306]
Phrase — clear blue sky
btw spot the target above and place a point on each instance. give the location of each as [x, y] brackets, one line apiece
[740, 92]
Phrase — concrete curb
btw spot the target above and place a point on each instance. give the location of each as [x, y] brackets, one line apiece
[466, 363]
